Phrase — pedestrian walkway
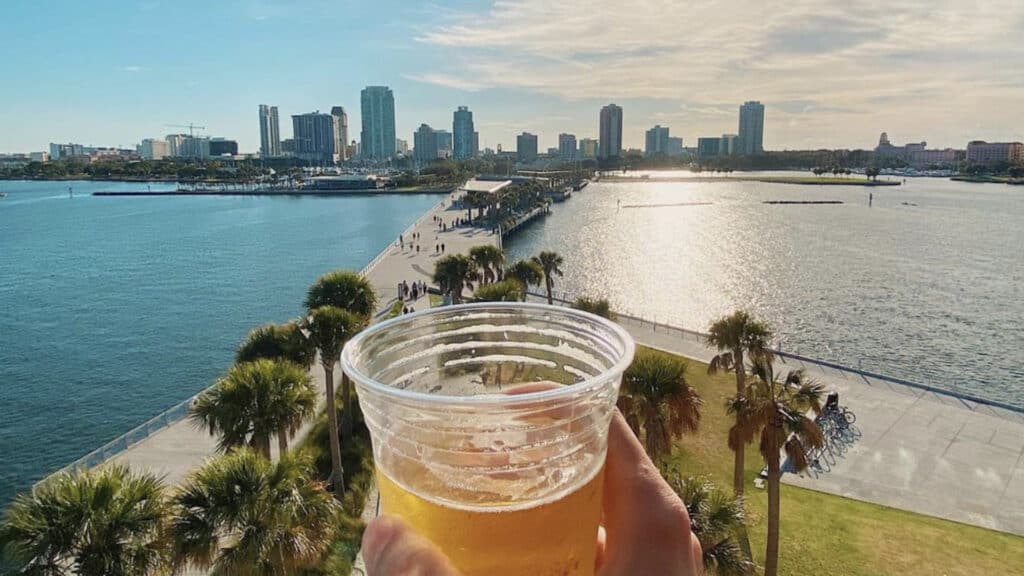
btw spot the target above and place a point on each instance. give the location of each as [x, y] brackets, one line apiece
[918, 450]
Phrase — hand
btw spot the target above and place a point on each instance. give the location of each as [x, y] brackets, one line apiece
[646, 529]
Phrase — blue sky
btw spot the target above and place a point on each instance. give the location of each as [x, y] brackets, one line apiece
[831, 74]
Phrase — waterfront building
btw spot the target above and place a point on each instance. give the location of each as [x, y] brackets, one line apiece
[675, 147]
[424, 144]
[916, 154]
[288, 147]
[377, 140]
[445, 142]
[340, 133]
[223, 147]
[314, 137]
[152, 149]
[401, 146]
[270, 134]
[656, 141]
[751, 136]
[526, 147]
[588, 148]
[552, 152]
[39, 156]
[464, 139]
[476, 142]
[708, 146]
[610, 134]
[58, 151]
[186, 146]
[567, 146]
[728, 145]
[981, 152]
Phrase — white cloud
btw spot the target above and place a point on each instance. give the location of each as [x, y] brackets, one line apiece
[826, 70]
[132, 68]
[447, 81]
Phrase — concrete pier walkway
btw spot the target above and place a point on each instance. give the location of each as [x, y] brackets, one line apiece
[917, 450]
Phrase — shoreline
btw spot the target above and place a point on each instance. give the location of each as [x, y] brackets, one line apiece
[293, 192]
[794, 180]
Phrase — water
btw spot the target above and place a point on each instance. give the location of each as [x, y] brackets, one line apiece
[932, 292]
[114, 309]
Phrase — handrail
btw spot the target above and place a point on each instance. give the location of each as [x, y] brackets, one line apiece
[964, 397]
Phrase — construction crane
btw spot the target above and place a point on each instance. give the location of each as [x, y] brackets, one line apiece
[191, 127]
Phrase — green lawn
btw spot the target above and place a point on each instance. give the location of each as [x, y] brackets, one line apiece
[826, 534]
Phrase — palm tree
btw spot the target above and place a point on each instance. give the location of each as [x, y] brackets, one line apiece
[504, 291]
[734, 336]
[107, 521]
[353, 293]
[242, 514]
[776, 413]
[343, 289]
[255, 401]
[489, 259]
[657, 402]
[329, 328]
[551, 264]
[277, 342]
[453, 274]
[717, 520]
[527, 273]
[598, 306]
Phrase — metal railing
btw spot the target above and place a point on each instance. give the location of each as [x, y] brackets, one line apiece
[383, 253]
[130, 438]
[565, 298]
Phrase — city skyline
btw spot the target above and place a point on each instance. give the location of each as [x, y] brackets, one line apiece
[833, 77]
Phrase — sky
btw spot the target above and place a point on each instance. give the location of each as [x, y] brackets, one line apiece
[831, 74]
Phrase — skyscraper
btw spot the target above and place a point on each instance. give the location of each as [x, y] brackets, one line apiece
[340, 133]
[424, 142]
[378, 113]
[526, 147]
[314, 135]
[464, 134]
[444, 143]
[611, 132]
[567, 146]
[751, 128]
[588, 148]
[270, 135]
[656, 141]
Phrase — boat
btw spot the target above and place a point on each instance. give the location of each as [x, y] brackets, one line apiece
[3, 194]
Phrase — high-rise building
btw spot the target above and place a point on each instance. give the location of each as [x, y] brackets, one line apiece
[588, 148]
[982, 152]
[728, 145]
[708, 146]
[270, 134]
[476, 143]
[656, 141]
[151, 149]
[223, 147]
[611, 132]
[66, 150]
[444, 143]
[567, 146]
[424, 144]
[378, 113]
[340, 133]
[751, 135]
[314, 137]
[526, 147]
[463, 132]
[401, 146]
[675, 146]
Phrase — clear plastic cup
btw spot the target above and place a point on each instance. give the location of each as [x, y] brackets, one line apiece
[489, 425]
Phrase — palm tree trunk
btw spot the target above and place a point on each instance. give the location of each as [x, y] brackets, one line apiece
[771, 554]
[346, 415]
[547, 284]
[282, 442]
[738, 459]
[337, 473]
[264, 446]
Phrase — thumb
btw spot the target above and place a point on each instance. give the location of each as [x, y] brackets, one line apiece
[392, 548]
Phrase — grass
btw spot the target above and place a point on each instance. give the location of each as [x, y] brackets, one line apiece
[435, 300]
[826, 534]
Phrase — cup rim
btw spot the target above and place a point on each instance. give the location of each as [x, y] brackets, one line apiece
[360, 378]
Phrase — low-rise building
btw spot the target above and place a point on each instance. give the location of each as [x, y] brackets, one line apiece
[526, 147]
[153, 149]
